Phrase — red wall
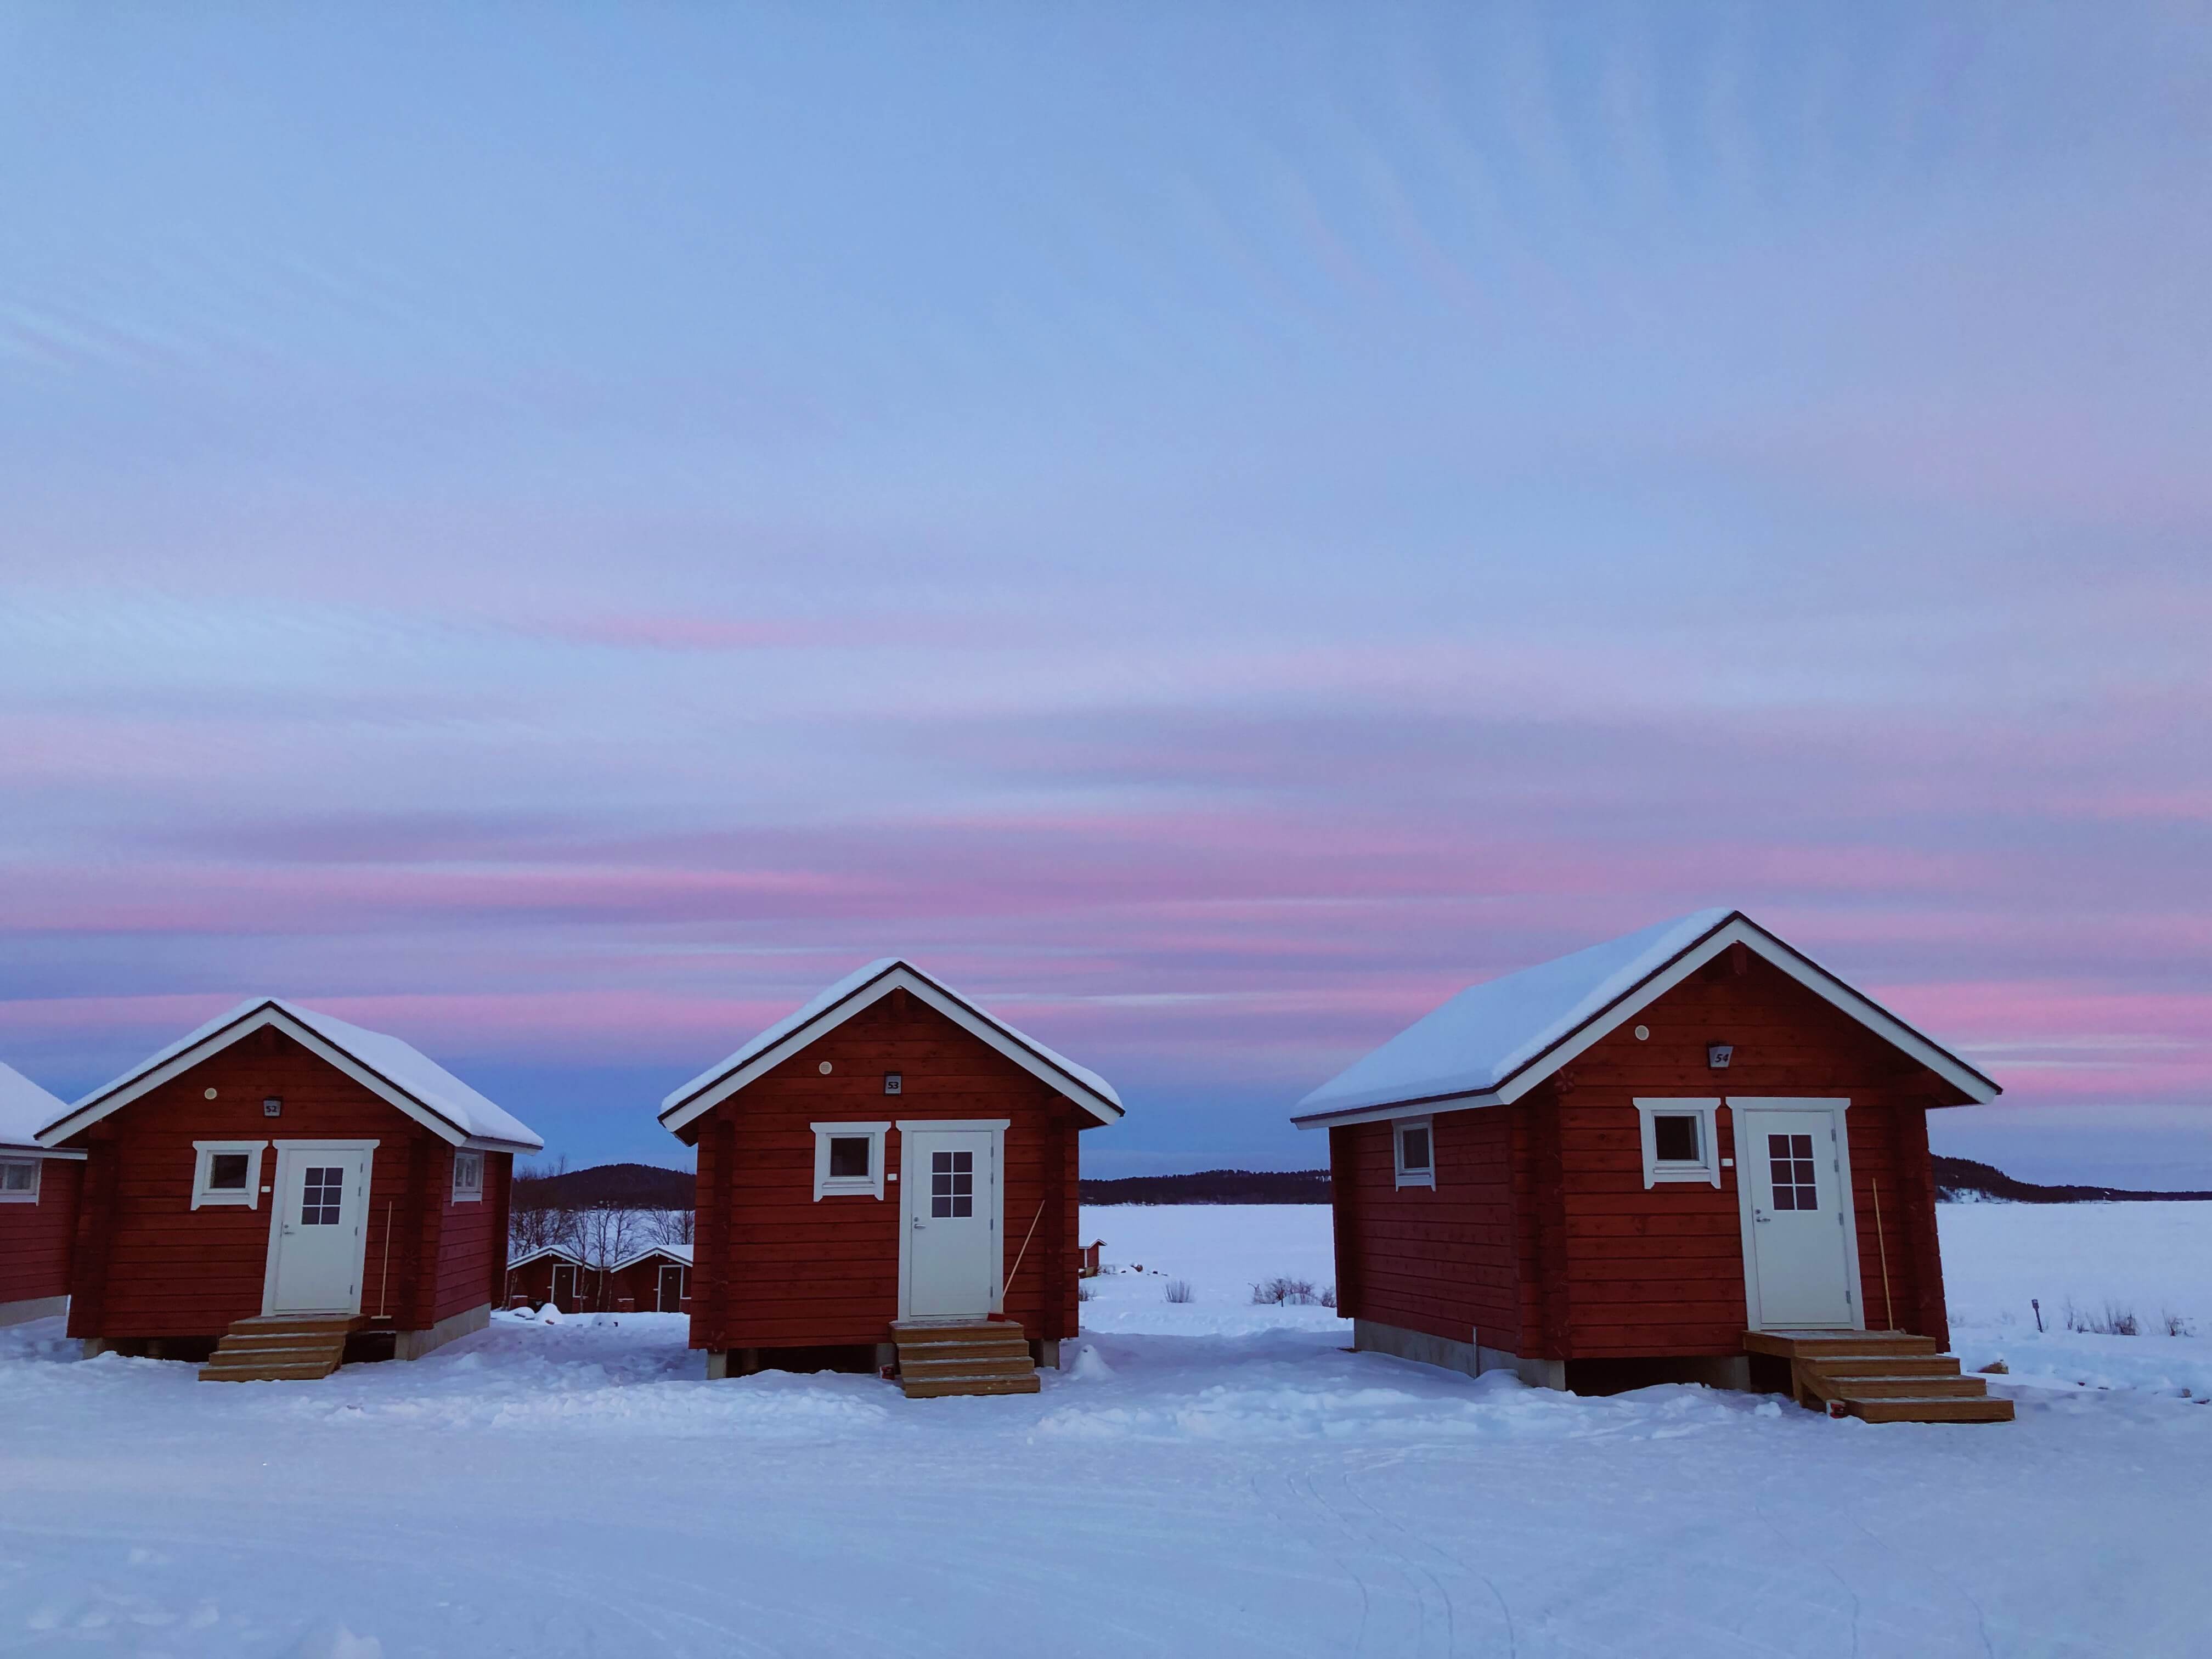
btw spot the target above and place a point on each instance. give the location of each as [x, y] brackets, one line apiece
[775, 1268]
[1542, 1236]
[147, 1264]
[35, 1239]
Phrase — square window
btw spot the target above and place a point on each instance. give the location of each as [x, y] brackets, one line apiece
[1679, 1139]
[1674, 1137]
[848, 1160]
[19, 1180]
[468, 1177]
[227, 1172]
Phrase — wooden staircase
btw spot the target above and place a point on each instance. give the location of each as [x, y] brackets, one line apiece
[1884, 1376]
[280, 1347]
[976, 1356]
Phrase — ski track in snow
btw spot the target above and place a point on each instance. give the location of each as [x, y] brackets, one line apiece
[1202, 1478]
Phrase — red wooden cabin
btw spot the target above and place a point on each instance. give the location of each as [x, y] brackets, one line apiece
[278, 1163]
[38, 1204]
[888, 1158]
[1614, 1166]
[554, 1273]
[655, 1279]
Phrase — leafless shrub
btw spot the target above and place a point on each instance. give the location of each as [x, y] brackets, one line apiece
[1328, 1298]
[1179, 1289]
[1083, 1290]
[2116, 1319]
[2176, 1325]
[1283, 1292]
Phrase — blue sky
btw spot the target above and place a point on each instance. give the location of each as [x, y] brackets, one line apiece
[557, 534]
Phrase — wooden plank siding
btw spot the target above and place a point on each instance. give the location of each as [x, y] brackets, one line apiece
[36, 1240]
[1439, 1260]
[777, 1268]
[149, 1265]
[1540, 1237]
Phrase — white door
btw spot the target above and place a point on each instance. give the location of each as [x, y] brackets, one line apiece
[952, 1187]
[319, 1228]
[1801, 1254]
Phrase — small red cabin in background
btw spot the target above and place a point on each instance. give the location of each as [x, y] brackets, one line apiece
[38, 1204]
[1087, 1266]
[888, 1157]
[655, 1279]
[1616, 1165]
[277, 1162]
[554, 1273]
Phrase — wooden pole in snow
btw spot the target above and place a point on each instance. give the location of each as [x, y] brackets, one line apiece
[1888, 1308]
[1007, 1282]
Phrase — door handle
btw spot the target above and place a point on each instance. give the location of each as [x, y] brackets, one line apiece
[917, 1224]
[1760, 1219]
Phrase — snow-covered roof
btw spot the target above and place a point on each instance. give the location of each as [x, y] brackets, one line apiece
[674, 1252]
[1493, 1041]
[861, 989]
[399, 1072]
[558, 1252]
[25, 1109]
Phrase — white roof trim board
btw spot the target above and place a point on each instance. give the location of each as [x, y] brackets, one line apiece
[861, 989]
[674, 1252]
[558, 1252]
[1494, 1042]
[24, 1106]
[400, 1074]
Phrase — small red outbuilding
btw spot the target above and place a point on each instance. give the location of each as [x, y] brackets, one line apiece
[385, 1179]
[554, 1273]
[1664, 1155]
[888, 1173]
[655, 1279]
[38, 1204]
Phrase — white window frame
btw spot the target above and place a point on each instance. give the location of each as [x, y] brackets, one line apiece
[203, 1156]
[829, 1185]
[1707, 1166]
[29, 1195]
[468, 1194]
[1413, 1178]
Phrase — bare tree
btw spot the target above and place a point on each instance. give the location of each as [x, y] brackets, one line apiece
[672, 1226]
[603, 1235]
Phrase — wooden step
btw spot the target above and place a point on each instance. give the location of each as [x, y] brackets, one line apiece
[1886, 1364]
[1908, 1388]
[271, 1372]
[939, 1368]
[1950, 1410]
[969, 1357]
[924, 1389]
[1822, 1345]
[280, 1348]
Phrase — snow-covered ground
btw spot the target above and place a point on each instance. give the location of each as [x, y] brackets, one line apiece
[1206, 1477]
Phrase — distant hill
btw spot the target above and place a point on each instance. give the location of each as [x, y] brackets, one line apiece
[610, 1186]
[646, 1187]
[1961, 1178]
[1212, 1186]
